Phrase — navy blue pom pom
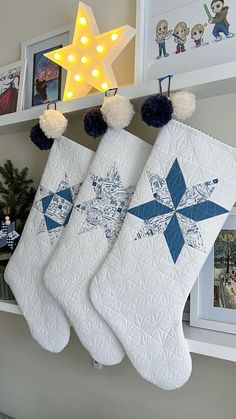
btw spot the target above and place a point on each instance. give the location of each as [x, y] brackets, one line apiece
[39, 138]
[157, 111]
[94, 124]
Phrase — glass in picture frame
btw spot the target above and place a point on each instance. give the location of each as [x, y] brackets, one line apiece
[45, 80]
[213, 298]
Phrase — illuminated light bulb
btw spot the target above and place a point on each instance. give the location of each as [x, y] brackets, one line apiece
[82, 20]
[104, 86]
[84, 39]
[77, 77]
[70, 58]
[114, 36]
[100, 48]
[69, 95]
[57, 56]
[84, 60]
[95, 73]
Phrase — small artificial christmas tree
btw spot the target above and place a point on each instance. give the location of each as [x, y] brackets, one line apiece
[16, 197]
[16, 194]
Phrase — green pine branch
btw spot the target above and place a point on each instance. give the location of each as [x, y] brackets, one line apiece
[16, 193]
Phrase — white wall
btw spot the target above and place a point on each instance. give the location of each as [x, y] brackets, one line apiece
[35, 384]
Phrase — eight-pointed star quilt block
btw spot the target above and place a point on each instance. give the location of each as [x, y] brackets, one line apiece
[107, 210]
[176, 210]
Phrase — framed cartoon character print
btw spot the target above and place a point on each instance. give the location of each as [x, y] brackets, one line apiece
[182, 36]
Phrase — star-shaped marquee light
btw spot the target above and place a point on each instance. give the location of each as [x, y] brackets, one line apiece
[176, 210]
[109, 207]
[56, 208]
[88, 60]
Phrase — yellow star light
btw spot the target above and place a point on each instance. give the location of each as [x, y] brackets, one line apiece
[88, 60]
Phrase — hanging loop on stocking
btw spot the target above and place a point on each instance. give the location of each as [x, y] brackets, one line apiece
[52, 103]
[161, 79]
[111, 92]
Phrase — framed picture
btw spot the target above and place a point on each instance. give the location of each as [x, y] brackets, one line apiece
[44, 79]
[12, 78]
[186, 313]
[182, 36]
[213, 298]
[7, 299]
[46, 82]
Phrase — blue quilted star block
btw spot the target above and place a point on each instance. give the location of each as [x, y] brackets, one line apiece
[176, 209]
[107, 210]
[56, 207]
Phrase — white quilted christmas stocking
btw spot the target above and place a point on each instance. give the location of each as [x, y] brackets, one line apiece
[64, 173]
[182, 200]
[94, 225]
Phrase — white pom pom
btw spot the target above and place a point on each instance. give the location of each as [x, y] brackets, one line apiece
[117, 111]
[53, 123]
[184, 105]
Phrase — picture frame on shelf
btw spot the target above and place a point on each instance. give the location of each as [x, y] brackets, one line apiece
[213, 298]
[45, 80]
[181, 37]
[12, 80]
[186, 313]
[7, 299]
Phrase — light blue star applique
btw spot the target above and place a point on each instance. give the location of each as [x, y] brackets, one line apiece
[176, 210]
[108, 208]
[56, 207]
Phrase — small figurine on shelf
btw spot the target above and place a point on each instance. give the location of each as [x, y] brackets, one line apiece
[16, 197]
[8, 237]
[8, 234]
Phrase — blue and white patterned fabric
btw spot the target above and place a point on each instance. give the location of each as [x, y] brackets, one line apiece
[8, 235]
[64, 173]
[109, 207]
[56, 208]
[176, 209]
[94, 225]
[181, 202]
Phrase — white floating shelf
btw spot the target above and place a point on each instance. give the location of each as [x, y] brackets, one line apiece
[201, 341]
[211, 343]
[210, 81]
[9, 307]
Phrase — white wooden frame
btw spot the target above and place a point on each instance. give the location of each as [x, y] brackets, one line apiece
[22, 65]
[9, 308]
[25, 45]
[197, 321]
[143, 16]
[141, 7]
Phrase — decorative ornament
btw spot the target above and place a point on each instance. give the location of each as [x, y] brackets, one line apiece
[8, 234]
[117, 111]
[39, 138]
[88, 60]
[53, 123]
[157, 110]
[184, 105]
[94, 124]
